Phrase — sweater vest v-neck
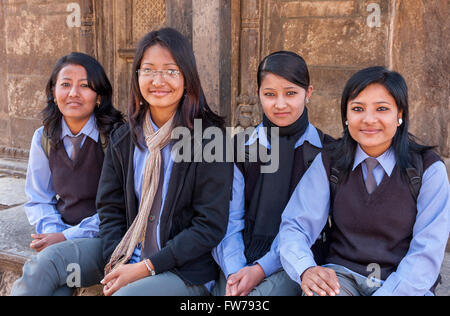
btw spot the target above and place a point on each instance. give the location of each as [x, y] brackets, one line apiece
[76, 182]
[373, 228]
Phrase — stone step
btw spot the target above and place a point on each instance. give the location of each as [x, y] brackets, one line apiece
[15, 167]
[12, 192]
[10, 270]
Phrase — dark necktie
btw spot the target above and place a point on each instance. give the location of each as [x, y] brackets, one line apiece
[76, 142]
[151, 243]
[371, 184]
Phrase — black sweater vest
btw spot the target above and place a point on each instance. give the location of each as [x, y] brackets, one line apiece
[375, 228]
[76, 182]
[251, 173]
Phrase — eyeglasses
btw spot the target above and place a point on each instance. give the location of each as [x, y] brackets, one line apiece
[166, 74]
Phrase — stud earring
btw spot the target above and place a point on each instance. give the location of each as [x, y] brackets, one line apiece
[307, 101]
[400, 121]
[346, 123]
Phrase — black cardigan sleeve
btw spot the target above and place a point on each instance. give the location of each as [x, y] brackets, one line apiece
[111, 204]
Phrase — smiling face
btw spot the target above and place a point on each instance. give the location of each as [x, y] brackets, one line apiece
[283, 102]
[75, 99]
[161, 91]
[373, 119]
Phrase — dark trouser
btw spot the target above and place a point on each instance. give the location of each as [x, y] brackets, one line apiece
[60, 268]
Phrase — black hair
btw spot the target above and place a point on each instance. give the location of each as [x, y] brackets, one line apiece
[404, 144]
[193, 104]
[287, 65]
[105, 114]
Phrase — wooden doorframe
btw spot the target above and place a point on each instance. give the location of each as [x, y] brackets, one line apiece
[247, 18]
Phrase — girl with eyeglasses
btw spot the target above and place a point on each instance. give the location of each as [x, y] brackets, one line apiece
[160, 218]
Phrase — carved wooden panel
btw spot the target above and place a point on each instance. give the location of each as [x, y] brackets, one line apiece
[147, 16]
[121, 24]
[247, 112]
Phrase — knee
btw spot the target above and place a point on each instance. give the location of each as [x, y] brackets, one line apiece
[45, 264]
[49, 258]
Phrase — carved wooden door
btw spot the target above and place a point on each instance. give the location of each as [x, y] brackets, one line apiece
[121, 24]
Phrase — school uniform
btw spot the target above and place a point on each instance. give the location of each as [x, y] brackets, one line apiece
[43, 209]
[192, 220]
[382, 243]
[61, 199]
[245, 244]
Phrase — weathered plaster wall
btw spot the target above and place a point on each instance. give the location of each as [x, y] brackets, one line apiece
[421, 52]
[5, 130]
[34, 34]
[339, 37]
[336, 37]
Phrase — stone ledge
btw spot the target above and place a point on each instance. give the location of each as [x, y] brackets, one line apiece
[10, 271]
[14, 167]
[11, 262]
[14, 153]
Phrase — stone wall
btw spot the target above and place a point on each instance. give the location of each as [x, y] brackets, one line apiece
[339, 37]
[421, 52]
[33, 35]
[230, 37]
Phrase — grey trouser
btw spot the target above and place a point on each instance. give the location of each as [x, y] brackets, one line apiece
[77, 263]
[352, 284]
[278, 284]
[164, 284]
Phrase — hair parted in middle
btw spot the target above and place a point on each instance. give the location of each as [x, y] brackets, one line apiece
[403, 142]
[287, 65]
[105, 113]
[193, 104]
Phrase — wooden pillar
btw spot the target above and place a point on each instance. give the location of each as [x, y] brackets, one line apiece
[179, 16]
[248, 112]
[87, 31]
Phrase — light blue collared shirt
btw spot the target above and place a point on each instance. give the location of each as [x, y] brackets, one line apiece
[229, 254]
[307, 212]
[41, 206]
